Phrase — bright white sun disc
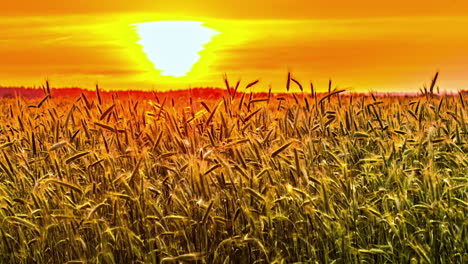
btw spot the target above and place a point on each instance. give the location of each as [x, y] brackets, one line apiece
[173, 46]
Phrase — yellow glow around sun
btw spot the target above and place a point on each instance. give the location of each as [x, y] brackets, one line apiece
[173, 46]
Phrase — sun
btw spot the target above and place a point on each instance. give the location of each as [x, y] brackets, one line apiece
[173, 46]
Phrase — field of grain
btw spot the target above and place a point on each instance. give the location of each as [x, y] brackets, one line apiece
[300, 178]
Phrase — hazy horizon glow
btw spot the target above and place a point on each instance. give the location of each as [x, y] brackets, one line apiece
[362, 46]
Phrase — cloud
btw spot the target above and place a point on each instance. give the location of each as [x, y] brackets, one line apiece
[242, 9]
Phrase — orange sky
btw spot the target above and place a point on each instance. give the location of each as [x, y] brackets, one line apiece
[360, 45]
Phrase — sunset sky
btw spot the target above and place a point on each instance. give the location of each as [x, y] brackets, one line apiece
[361, 45]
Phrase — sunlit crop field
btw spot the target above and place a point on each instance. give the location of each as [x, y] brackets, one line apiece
[307, 178]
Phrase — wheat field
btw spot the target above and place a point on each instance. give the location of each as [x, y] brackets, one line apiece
[295, 178]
